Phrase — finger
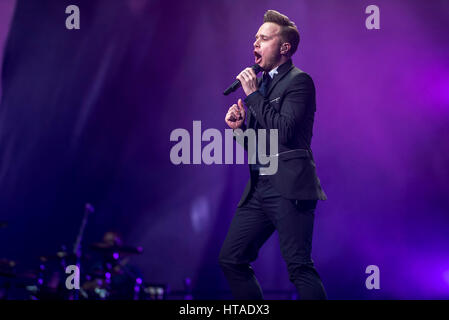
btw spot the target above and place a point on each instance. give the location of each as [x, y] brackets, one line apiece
[251, 71]
[244, 76]
[240, 103]
[230, 117]
[236, 109]
[231, 107]
[240, 77]
[248, 74]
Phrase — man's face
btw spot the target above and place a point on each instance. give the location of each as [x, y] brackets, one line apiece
[267, 46]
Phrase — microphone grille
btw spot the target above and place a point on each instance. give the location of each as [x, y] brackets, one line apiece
[256, 68]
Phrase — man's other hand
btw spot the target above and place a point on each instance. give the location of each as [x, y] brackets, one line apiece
[236, 115]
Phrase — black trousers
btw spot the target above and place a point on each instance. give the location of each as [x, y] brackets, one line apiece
[253, 223]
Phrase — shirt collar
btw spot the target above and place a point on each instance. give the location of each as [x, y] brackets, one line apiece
[273, 72]
[281, 69]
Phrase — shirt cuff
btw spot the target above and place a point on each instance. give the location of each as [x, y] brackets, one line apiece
[252, 95]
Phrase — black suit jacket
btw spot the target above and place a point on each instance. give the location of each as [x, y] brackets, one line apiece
[289, 107]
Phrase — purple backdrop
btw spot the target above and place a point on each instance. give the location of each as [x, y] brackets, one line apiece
[86, 116]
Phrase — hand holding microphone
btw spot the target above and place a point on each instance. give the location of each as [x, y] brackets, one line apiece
[247, 78]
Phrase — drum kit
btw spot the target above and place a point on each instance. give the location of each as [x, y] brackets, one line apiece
[104, 273]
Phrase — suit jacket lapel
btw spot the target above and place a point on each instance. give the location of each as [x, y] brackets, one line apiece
[282, 71]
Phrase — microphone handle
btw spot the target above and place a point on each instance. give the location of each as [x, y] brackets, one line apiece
[237, 83]
[232, 87]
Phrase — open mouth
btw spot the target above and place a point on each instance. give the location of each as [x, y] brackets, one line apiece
[257, 57]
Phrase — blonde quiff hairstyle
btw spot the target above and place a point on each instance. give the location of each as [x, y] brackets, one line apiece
[289, 32]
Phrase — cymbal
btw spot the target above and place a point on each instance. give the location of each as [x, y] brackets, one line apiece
[108, 249]
[8, 270]
[57, 257]
[6, 263]
[29, 275]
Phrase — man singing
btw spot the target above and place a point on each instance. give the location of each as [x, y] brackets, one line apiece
[283, 99]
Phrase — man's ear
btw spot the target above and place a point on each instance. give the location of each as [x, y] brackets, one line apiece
[285, 48]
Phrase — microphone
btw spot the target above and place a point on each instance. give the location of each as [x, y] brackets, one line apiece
[237, 83]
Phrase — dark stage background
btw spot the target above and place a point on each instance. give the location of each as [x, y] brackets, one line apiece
[86, 116]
